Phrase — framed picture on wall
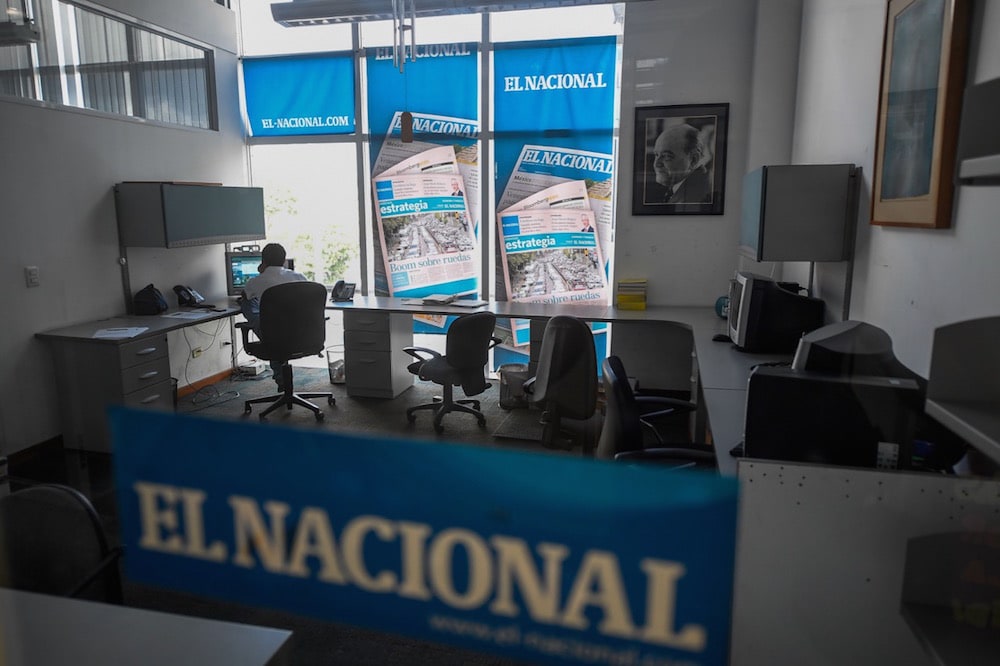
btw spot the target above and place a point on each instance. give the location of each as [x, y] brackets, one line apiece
[680, 159]
[920, 99]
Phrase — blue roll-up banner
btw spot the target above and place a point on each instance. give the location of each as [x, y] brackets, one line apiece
[303, 94]
[440, 89]
[555, 113]
[539, 557]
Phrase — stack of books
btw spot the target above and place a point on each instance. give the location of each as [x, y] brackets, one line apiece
[632, 294]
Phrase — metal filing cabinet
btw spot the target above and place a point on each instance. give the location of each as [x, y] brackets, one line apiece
[93, 374]
[375, 362]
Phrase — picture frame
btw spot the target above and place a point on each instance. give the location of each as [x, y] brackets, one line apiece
[692, 185]
[924, 56]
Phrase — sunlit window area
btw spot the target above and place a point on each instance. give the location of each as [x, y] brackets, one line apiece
[90, 60]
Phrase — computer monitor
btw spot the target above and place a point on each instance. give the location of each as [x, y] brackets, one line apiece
[849, 348]
[240, 267]
[765, 316]
[857, 421]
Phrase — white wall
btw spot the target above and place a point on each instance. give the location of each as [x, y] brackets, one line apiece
[908, 281]
[58, 170]
[703, 52]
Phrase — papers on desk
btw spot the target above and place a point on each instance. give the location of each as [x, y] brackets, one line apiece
[443, 299]
[119, 333]
[187, 314]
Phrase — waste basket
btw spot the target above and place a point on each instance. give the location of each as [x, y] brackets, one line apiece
[335, 364]
[512, 378]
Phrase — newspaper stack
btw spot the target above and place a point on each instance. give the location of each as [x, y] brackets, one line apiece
[632, 294]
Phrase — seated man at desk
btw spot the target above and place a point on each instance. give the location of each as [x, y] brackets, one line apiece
[272, 271]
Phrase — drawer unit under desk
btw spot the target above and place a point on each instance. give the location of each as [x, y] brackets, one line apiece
[374, 360]
[93, 374]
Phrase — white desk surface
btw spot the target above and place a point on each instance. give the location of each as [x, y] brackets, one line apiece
[55, 631]
[723, 370]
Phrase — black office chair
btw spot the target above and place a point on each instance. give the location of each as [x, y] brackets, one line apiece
[630, 422]
[565, 385]
[470, 337]
[292, 325]
[52, 542]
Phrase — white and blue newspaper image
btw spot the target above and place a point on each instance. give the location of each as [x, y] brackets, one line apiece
[426, 235]
[551, 255]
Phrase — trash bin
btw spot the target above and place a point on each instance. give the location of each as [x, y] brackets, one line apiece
[512, 378]
[335, 364]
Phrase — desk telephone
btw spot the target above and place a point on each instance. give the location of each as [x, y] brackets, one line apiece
[189, 298]
[342, 291]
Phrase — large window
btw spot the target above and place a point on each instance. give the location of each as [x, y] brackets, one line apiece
[261, 37]
[90, 60]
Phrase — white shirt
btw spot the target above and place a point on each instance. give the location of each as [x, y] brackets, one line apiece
[271, 276]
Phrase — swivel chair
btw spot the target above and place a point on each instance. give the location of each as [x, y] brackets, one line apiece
[52, 542]
[292, 325]
[565, 385]
[470, 337]
[628, 418]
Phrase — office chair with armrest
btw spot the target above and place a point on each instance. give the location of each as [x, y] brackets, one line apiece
[628, 418]
[52, 542]
[470, 337]
[565, 384]
[292, 325]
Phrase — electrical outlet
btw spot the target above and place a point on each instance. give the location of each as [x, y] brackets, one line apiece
[196, 352]
[31, 277]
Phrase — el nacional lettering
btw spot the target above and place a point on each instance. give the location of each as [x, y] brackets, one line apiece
[498, 565]
[305, 122]
[554, 82]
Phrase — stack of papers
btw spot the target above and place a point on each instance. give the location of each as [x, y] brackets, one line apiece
[445, 299]
[438, 299]
[632, 294]
[119, 333]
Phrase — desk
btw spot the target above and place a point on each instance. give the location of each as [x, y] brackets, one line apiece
[720, 377]
[92, 373]
[56, 631]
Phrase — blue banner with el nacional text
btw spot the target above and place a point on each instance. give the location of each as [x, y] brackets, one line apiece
[535, 556]
[303, 94]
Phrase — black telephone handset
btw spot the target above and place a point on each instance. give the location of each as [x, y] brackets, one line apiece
[189, 298]
[342, 291]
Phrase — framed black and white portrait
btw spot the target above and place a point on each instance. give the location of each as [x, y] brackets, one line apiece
[680, 159]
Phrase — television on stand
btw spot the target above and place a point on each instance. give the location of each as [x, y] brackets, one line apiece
[766, 316]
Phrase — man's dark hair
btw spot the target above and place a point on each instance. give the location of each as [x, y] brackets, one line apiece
[273, 254]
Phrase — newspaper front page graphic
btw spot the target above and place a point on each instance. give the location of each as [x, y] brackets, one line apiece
[426, 237]
[551, 255]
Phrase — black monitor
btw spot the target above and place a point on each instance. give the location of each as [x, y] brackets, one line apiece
[849, 348]
[240, 267]
[857, 421]
[769, 316]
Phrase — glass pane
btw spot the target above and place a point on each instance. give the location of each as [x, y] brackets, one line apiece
[558, 22]
[311, 206]
[86, 59]
[428, 30]
[262, 36]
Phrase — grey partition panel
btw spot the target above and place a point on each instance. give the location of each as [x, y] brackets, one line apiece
[821, 554]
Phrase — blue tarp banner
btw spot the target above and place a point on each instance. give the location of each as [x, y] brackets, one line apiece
[539, 557]
[555, 85]
[440, 89]
[294, 95]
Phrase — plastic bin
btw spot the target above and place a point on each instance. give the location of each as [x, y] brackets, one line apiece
[512, 378]
[335, 364]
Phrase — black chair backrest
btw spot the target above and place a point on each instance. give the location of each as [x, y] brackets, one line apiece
[52, 541]
[566, 378]
[622, 430]
[468, 343]
[293, 319]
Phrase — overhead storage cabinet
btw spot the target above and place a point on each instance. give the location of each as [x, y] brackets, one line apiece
[183, 215]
